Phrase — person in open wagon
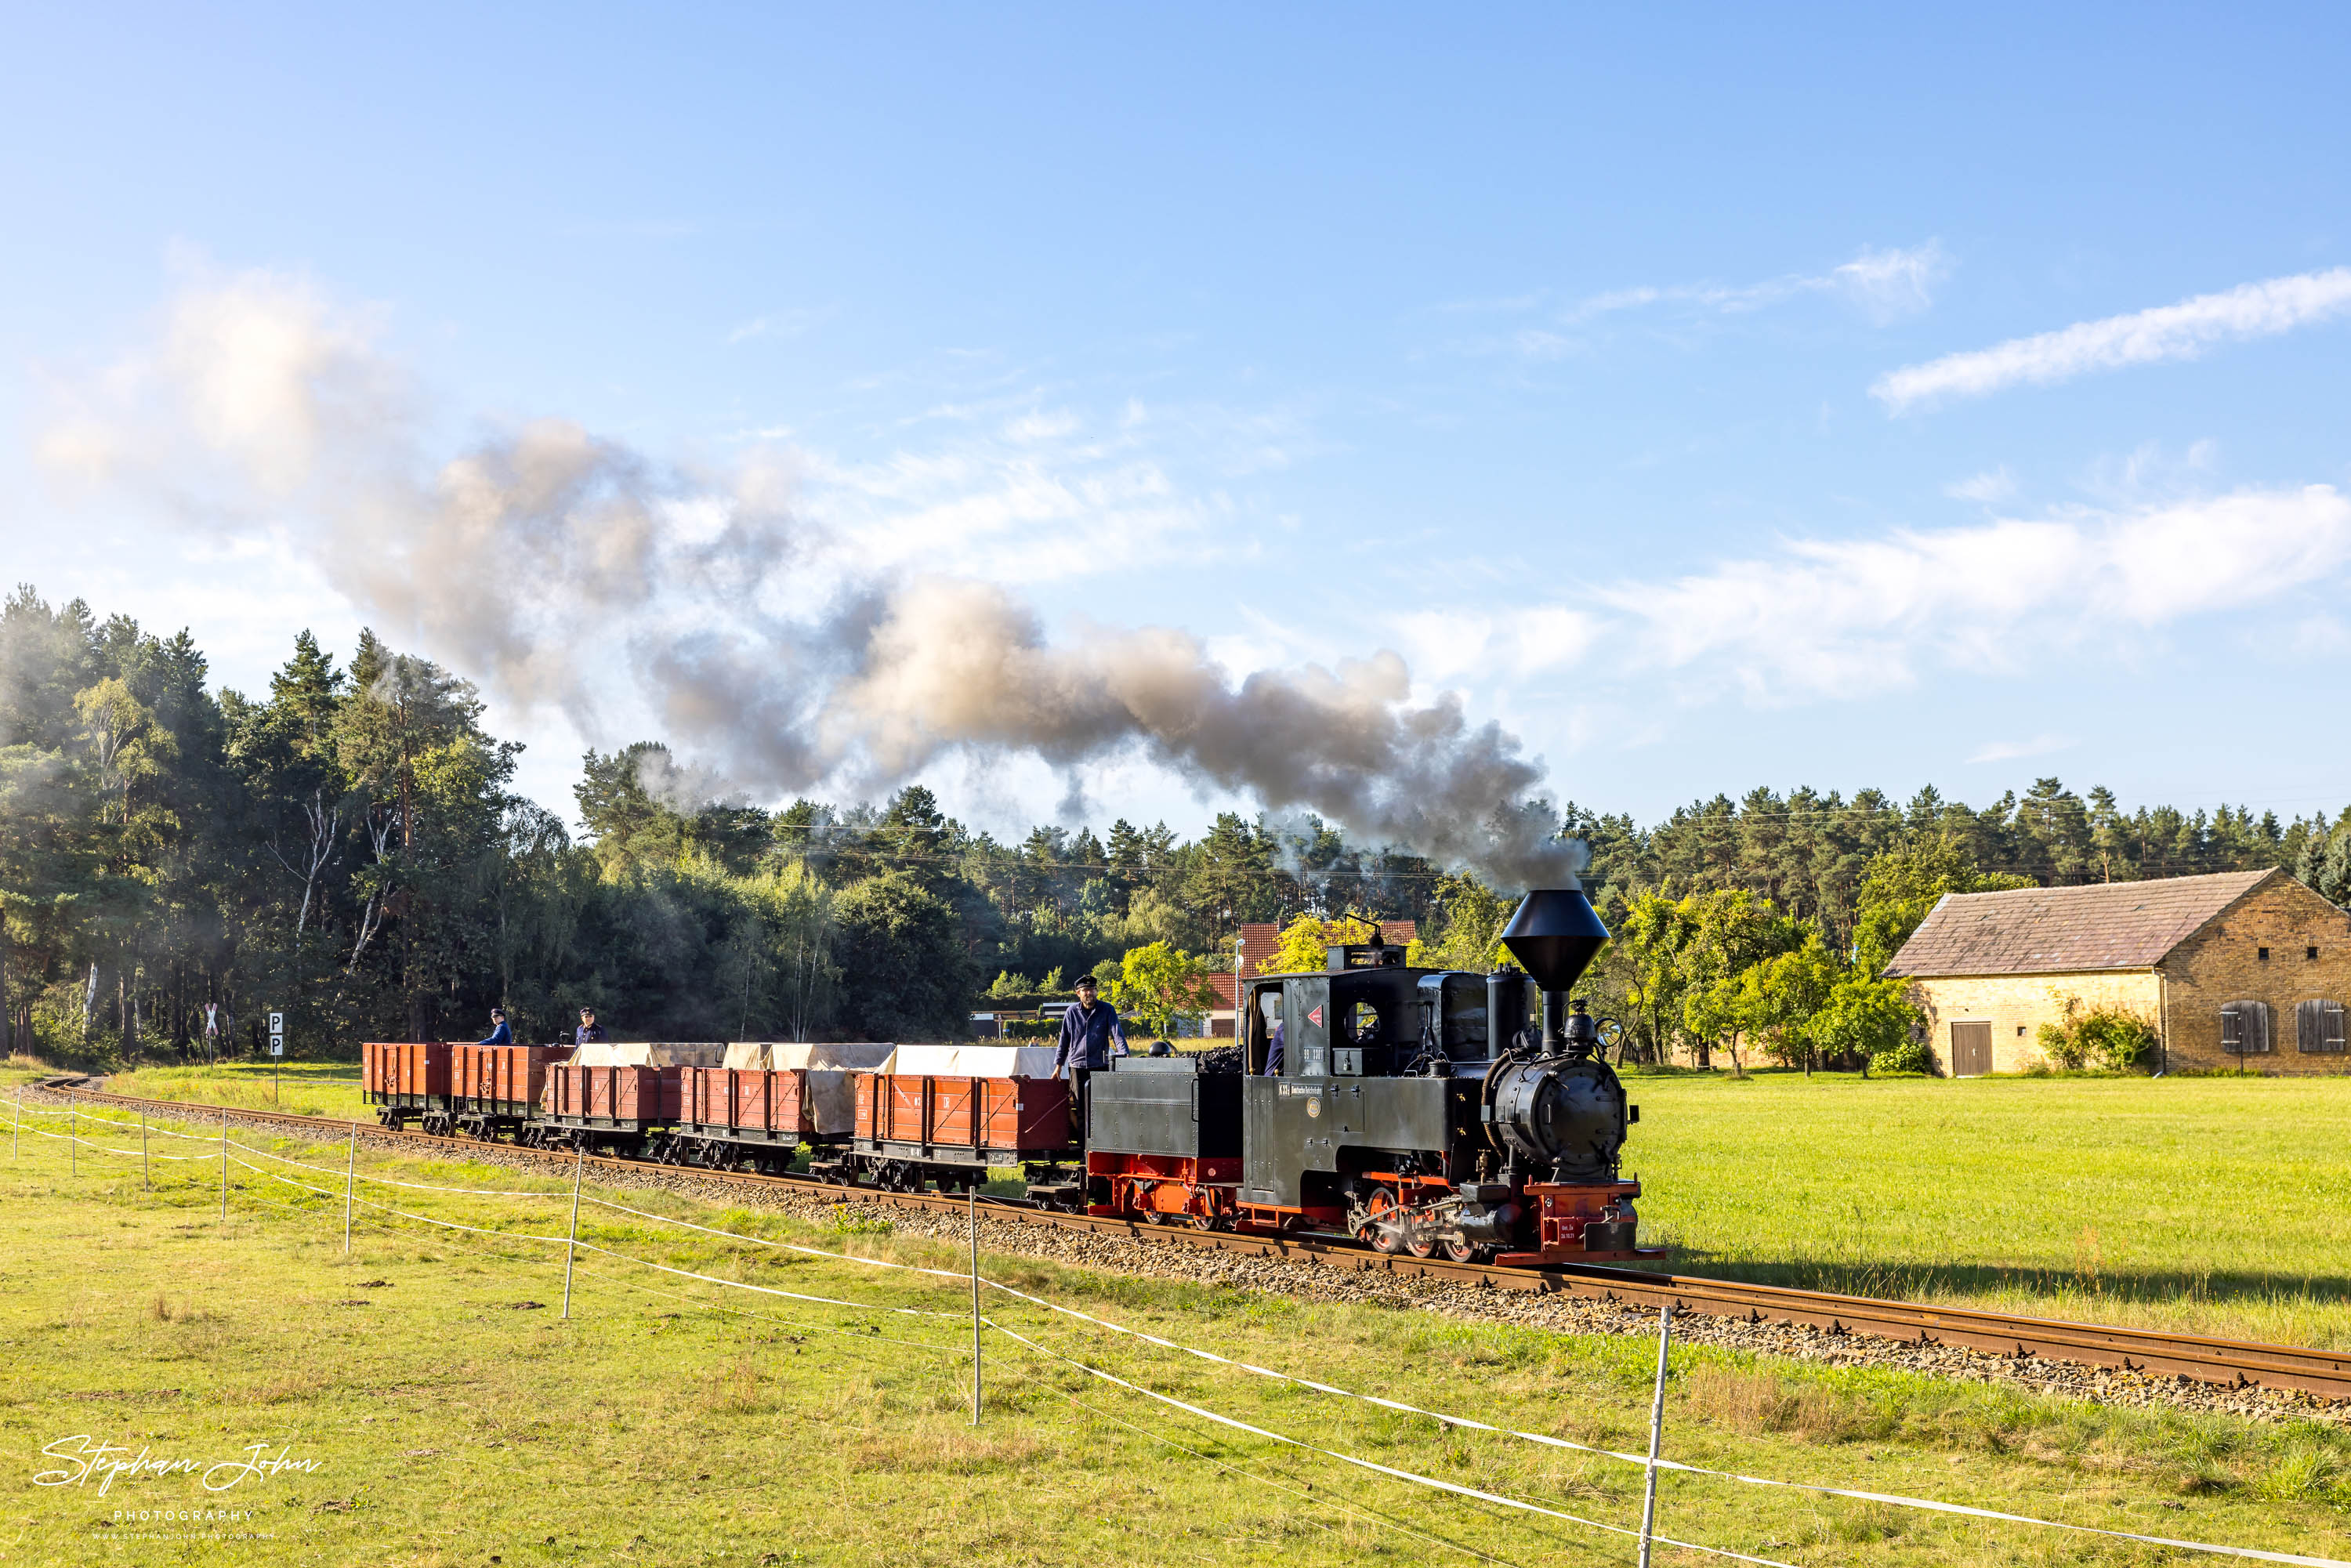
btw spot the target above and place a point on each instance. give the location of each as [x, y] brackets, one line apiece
[589, 1032]
[500, 1034]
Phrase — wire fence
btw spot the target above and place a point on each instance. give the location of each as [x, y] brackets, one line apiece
[975, 1280]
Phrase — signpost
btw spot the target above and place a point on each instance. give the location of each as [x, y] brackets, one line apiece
[277, 1051]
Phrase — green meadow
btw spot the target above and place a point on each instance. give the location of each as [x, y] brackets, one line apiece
[2218, 1205]
[438, 1410]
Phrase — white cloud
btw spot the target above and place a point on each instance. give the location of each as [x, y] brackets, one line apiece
[2010, 750]
[1847, 618]
[1447, 646]
[1883, 283]
[1994, 485]
[1893, 282]
[2169, 332]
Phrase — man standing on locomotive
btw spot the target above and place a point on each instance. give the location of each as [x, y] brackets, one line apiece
[1088, 1031]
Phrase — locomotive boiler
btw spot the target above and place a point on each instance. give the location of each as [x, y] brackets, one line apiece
[1425, 1110]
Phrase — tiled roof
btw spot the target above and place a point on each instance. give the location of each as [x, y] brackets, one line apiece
[2060, 930]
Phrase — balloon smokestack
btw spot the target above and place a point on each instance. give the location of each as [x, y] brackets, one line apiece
[1554, 935]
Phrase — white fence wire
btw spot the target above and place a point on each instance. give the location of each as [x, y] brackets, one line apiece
[1468, 1423]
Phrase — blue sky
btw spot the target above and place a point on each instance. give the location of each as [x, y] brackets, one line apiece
[1827, 396]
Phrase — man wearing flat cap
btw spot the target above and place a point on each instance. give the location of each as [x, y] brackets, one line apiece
[1091, 1035]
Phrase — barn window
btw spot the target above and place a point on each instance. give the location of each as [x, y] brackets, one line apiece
[2310, 952]
[2245, 1028]
[2318, 1026]
[2263, 953]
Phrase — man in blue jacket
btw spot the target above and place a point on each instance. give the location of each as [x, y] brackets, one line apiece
[500, 1033]
[1088, 1033]
[1089, 1030]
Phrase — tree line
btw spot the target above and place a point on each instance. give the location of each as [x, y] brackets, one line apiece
[347, 847]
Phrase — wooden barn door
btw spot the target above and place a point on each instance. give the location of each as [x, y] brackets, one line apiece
[1971, 1050]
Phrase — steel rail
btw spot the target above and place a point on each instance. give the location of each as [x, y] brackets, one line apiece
[2157, 1353]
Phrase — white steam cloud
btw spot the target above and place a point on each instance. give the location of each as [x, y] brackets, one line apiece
[532, 558]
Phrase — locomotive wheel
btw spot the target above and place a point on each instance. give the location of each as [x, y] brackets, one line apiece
[1418, 1244]
[1384, 1238]
[1465, 1252]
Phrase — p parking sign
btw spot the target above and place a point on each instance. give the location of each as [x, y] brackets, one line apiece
[276, 1034]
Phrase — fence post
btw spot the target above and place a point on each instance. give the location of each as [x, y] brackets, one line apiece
[73, 1140]
[975, 1302]
[350, 1175]
[224, 1168]
[146, 1183]
[16, 1125]
[571, 1244]
[1656, 1427]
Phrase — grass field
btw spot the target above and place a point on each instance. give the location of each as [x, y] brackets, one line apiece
[2220, 1206]
[454, 1418]
[2217, 1204]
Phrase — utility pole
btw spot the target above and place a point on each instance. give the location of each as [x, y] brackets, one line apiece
[974, 1192]
[571, 1245]
[1656, 1428]
[1240, 944]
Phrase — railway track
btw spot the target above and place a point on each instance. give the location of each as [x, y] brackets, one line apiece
[2229, 1363]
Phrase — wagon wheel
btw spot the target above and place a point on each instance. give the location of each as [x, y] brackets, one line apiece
[1383, 1236]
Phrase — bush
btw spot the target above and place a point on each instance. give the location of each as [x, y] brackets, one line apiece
[2102, 1039]
[1871, 1019]
[1910, 1056]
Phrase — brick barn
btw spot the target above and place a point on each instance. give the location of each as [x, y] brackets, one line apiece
[2245, 969]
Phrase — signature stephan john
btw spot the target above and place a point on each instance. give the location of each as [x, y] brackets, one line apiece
[87, 1459]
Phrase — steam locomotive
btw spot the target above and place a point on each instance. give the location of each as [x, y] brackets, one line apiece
[1423, 1111]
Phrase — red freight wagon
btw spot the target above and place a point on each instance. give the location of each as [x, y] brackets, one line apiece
[740, 1118]
[406, 1081]
[495, 1089]
[957, 1131]
[618, 1107]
